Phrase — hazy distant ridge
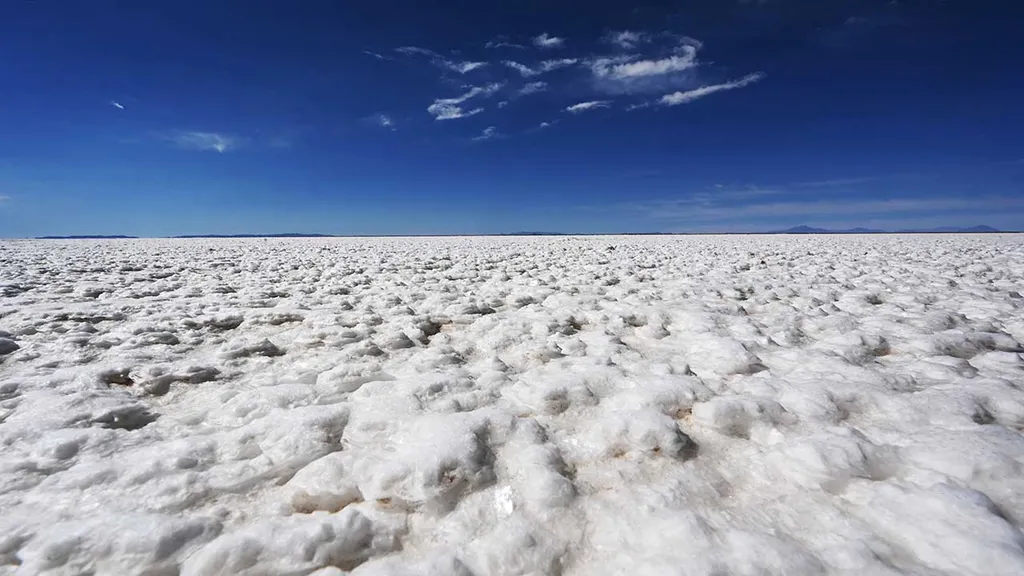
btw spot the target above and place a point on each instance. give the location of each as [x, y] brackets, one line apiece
[981, 229]
[940, 229]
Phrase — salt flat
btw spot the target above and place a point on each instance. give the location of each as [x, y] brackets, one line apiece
[583, 405]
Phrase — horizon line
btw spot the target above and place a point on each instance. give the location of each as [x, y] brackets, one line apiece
[796, 231]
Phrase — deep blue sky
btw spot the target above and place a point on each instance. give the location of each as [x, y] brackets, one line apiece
[215, 116]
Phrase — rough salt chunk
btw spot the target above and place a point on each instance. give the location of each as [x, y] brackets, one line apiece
[855, 347]
[999, 361]
[430, 461]
[737, 416]
[224, 321]
[671, 395]
[637, 433]
[349, 377]
[944, 528]
[717, 356]
[156, 338]
[433, 563]
[829, 460]
[244, 349]
[297, 544]
[542, 398]
[811, 403]
[753, 554]
[115, 544]
[517, 547]
[324, 484]
[398, 341]
[535, 468]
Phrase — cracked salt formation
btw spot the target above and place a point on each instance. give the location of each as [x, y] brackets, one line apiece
[492, 406]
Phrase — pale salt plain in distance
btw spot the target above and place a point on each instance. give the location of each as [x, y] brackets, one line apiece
[613, 405]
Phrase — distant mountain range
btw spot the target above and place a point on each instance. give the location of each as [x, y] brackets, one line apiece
[976, 229]
[795, 230]
[939, 230]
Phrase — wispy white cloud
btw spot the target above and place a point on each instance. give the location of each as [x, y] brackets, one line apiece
[523, 69]
[670, 64]
[204, 141]
[549, 65]
[626, 39]
[602, 66]
[542, 68]
[489, 133]
[503, 42]
[376, 55]
[677, 98]
[451, 109]
[116, 104]
[541, 126]
[547, 41]
[463, 67]
[446, 111]
[416, 50]
[609, 68]
[503, 103]
[533, 88]
[585, 106]
[440, 61]
[384, 121]
[662, 66]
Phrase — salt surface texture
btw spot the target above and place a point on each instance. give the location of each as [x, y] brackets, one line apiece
[490, 406]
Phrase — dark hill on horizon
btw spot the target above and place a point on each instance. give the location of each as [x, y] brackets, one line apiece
[803, 229]
[981, 229]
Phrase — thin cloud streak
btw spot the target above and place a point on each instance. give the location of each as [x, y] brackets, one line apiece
[547, 41]
[116, 104]
[489, 133]
[440, 61]
[450, 109]
[672, 64]
[550, 65]
[626, 39]
[503, 42]
[617, 70]
[524, 70]
[203, 141]
[463, 67]
[543, 68]
[533, 88]
[451, 112]
[677, 98]
[585, 106]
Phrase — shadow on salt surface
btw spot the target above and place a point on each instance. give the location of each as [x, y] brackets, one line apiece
[126, 418]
